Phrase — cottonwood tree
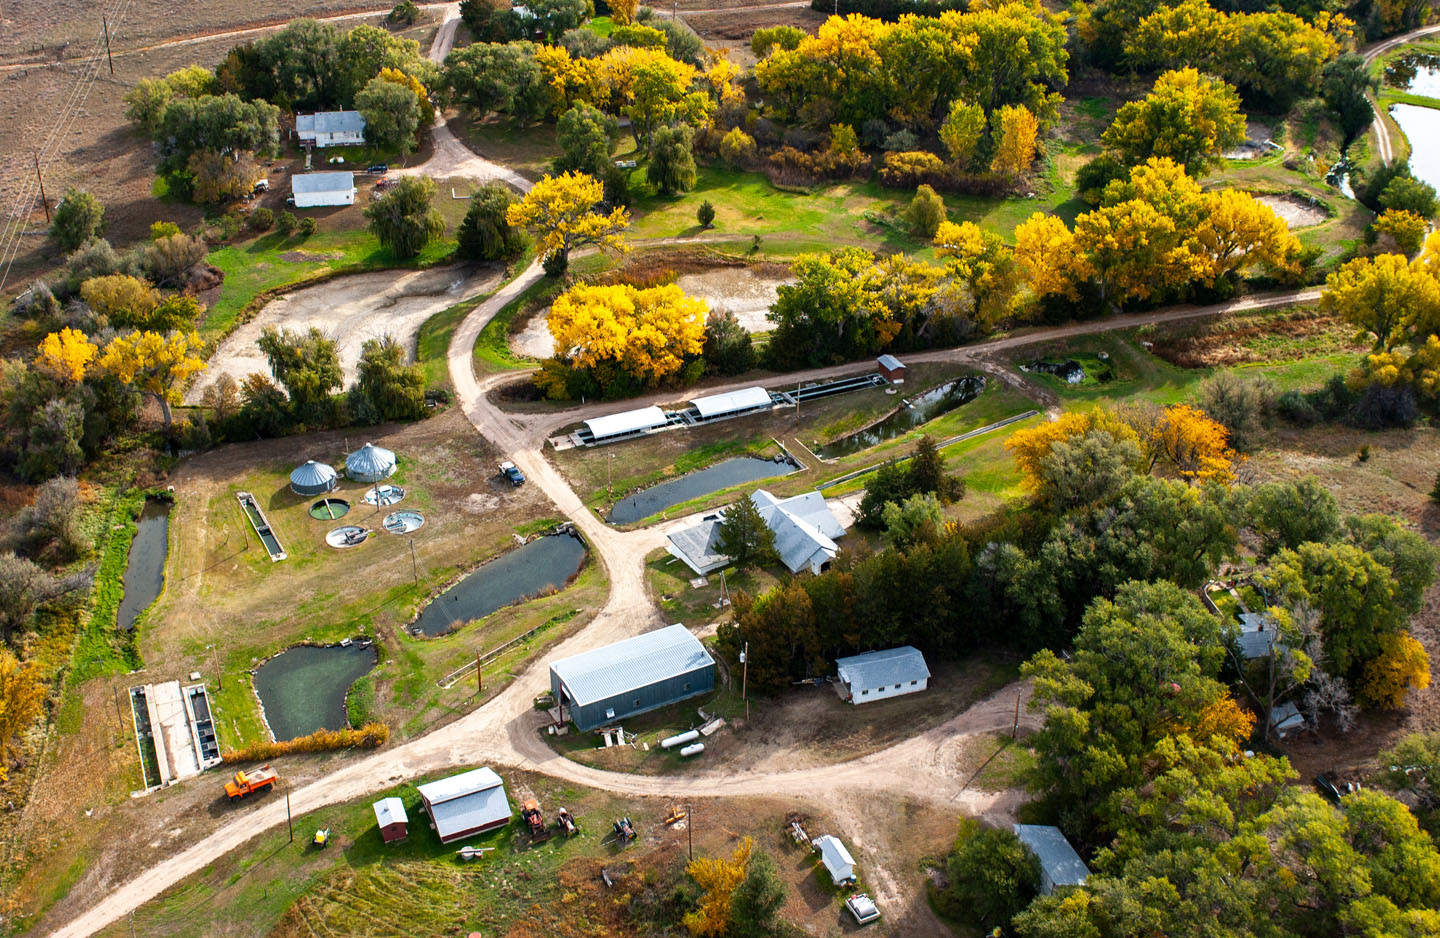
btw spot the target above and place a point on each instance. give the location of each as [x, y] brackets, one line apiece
[392, 115]
[585, 135]
[1014, 130]
[484, 234]
[646, 334]
[1286, 514]
[559, 211]
[983, 264]
[1188, 117]
[78, 218]
[21, 696]
[155, 365]
[961, 131]
[502, 77]
[67, 353]
[1392, 299]
[394, 388]
[992, 876]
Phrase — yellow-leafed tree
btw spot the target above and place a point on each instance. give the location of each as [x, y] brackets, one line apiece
[67, 353]
[1401, 665]
[557, 210]
[1237, 231]
[1190, 443]
[718, 877]
[984, 264]
[414, 85]
[622, 12]
[21, 694]
[1405, 228]
[1031, 445]
[1387, 296]
[125, 301]
[155, 365]
[647, 334]
[1046, 253]
[1221, 717]
[1015, 131]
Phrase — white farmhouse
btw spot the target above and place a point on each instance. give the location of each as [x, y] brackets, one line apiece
[877, 675]
[330, 128]
[329, 188]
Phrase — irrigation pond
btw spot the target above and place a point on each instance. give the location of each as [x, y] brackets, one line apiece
[303, 688]
[722, 475]
[145, 570]
[541, 565]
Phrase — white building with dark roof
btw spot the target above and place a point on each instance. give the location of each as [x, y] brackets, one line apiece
[1060, 865]
[466, 804]
[331, 128]
[878, 675]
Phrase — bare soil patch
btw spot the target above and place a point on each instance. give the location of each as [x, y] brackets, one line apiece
[1297, 212]
[352, 310]
[1288, 335]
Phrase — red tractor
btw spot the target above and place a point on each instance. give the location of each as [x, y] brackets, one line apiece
[530, 812]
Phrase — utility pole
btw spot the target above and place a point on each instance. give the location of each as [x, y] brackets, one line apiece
[690, 827]
[414, 567]
[479, 678]
[106, 23]
[244, 526]
[215, 664]
[288, 823]
[745, 679]
[43, 201]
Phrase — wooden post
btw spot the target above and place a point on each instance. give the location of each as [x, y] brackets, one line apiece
[289, 824]
[1014, 729]
[414, 567]
[215, 664]
[479, 678]
[244, 524]
[106, 23]
[690, 827]
[39, 176]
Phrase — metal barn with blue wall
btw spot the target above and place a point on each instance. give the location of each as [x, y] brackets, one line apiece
[606, 685]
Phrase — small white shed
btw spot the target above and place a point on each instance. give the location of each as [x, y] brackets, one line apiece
[836, 859]
[331, 128]
[878, 675]
[327, 188]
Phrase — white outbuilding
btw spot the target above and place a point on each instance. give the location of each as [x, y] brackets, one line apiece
[312, 190]
[877, 675]
[1060, 865]
[331, 128]
[835, 858]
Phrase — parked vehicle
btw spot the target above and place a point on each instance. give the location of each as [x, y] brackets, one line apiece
[246, 783]
[863, 908]
[379, 169]
[261, 186]
[512, 472]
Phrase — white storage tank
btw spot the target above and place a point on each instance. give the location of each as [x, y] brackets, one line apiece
[695, 749]
[679, 739]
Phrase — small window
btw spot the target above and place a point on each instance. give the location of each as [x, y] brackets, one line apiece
[913, 683]
[687, 686]
[897, 686]
[864, 692]
[637, 701]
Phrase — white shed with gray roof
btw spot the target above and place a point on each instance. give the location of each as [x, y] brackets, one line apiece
[626, 423]
[328, 188]
[732, 403]
[1060, 865]
[466, 804]
[653, 670]
[877, 675]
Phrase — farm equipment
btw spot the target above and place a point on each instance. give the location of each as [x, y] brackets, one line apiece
[565, 823]
[530, 812]
[322, 838]
[677, 813]
[624, 831]
[246, 783]
[863, 908]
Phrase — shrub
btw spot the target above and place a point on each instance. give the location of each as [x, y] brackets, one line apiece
[369, 736]
[78, 218]
[307, 227]
[1293, 407]
[911, 168]
[737, 148]
[404, 13]
[925, 213]
[900, 141]
[262, 219]
[1382, 407]
[705, 214]
[555, 264]
[163, 229]
[285, 223]
[168, 260]
[50, 526]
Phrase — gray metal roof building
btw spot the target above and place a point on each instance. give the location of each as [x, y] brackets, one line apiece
[877, 675]
[732, 402]
[1060, 865]
[649, 671]
[626, 422]
[469, 803]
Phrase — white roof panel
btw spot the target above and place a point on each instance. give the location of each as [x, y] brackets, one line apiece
[390, 811]
[883, 668]
[595, 675]
[466, 813]
[627, 422]
[457, 786]
[1060, 861]
[836, 858]
[330, 122]
[731, 402]
[333, 181]
[889, 361]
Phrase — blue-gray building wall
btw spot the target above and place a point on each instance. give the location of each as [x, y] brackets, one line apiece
[661, 693]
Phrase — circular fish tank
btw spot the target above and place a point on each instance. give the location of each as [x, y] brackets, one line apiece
[328, 509]
[403, 522]
[383, 495]
[347, 535]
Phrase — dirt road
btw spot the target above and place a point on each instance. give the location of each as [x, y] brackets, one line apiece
[1383, 143]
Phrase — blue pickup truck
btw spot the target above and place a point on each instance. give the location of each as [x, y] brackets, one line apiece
[512, 472]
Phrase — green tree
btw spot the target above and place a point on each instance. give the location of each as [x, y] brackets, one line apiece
[551, 17]
[502, 77]
[1344, 83]
[705, 214]
[395, 389]
[585, 135]
[306, 363]
[757, 901]
[1086, 470]
[728, 346]
[1285, 515]
[1408, 194]
[961, 131]
[392, 114]
[744, 536]
[1409, 557]
[406, 221]
[1387, 296]
[926, 470]
[221, 177]
[78, 218]
[53, 443]
[672, 162]
[222, 124]
[483, 19]
[766, 39]
[992, 876]
[925, 213]
[1187, 117]
[918, 519]
[484, 235]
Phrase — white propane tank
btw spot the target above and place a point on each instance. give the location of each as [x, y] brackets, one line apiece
[693, 750]
[679, 739]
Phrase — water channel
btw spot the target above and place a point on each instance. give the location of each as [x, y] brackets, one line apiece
[921, 409]
[543, 564]
[1421, 126]
[722, 475]
[145, 570]
[303, 688]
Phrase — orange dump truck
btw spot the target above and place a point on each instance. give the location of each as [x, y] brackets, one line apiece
[255, 780]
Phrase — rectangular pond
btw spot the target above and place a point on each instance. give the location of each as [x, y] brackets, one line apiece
[722, 475]
[542, 565]
[303, 689]
[917, 410]
[145, 569]
[1421, 126]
